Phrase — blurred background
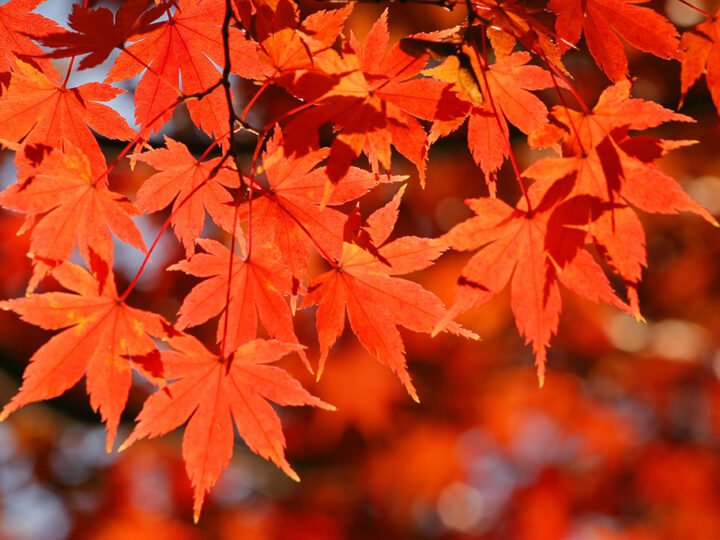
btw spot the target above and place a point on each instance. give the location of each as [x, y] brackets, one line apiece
[621, 443]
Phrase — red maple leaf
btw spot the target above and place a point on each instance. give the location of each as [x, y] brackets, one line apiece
[103, 339]
[290, 212]
[701, 54]
[97, 34]
[521, 246]
[506, 86]
[611, 167]
[287, 45]
[374, 99]
[75, 208]
[600, 20]
[37, 109]
[362, 284]
[186, 181]
[256, 290]
[188, 44]
[16, 22]
[209, 393]
[512, 21]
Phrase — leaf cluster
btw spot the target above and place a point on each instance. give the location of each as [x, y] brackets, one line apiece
[296, 199]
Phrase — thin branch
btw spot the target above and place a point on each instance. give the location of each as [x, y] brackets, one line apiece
[232, 119]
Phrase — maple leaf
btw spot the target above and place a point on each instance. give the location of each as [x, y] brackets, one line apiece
[187, 45]
[288, 45]
[256, 290]
[600, 20]
[374, 102]
[581, 131]
[701, 54]
[289, 213]
[36, 109]
[521, 246]
[97, 34]
[78, 209]
[209, 393]
[103, 338]
[16, 22]
[362, 284]
[183, 179]
[505, 85]
[611, 167]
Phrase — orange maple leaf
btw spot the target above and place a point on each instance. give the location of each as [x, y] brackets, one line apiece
[76, 207]
[256, 290]
[187, 181]
[37, 109]
[103, 339]
[209, 393]
[362, 284]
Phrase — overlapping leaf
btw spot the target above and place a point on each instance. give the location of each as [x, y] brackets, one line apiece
[289, 214]
[374, 100]
[505, 86]
[288, 45]
[609, 166]
[513, 21]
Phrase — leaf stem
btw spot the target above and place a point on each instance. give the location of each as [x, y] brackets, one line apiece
[506, 131]
[698, 9]
[253, 100]
[72, 59]
[167, 222]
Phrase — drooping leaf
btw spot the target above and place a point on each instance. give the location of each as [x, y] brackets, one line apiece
[186, 181]
[103, 339]
[210, 394]
[258, 284]
[520, 247]
[363, 284]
